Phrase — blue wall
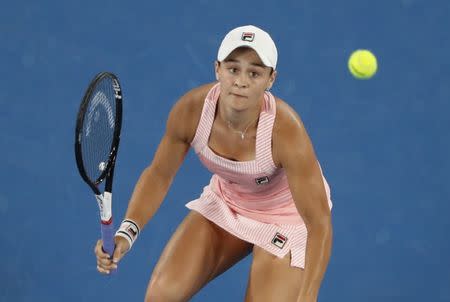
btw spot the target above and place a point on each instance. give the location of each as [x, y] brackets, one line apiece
[383, 143]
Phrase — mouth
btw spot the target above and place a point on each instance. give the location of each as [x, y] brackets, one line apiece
[238, 95]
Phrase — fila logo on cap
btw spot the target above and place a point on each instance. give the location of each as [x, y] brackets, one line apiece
[247, 36]
[279, 240]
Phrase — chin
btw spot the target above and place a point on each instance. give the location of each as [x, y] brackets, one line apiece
[238, 104]
[239, 108]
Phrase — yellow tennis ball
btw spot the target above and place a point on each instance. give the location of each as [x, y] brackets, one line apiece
[362, 64]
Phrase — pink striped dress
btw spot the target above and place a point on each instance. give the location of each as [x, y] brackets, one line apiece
[250, 199]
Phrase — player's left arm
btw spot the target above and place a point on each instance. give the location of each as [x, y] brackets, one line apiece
[293, 151]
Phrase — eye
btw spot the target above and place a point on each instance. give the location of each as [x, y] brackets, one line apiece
[232, 70]
[254, 74]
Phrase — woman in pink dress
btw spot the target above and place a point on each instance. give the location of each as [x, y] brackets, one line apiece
[267, 195]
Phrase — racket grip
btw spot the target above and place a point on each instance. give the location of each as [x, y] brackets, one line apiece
[108, 238]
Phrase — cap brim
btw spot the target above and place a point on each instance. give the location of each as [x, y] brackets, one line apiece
[224, 53]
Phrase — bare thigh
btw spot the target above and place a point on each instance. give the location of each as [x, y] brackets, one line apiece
[198, 252]
[272, 278]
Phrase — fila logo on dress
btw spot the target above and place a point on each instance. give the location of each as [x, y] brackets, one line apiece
[279, 240]
[262, 180]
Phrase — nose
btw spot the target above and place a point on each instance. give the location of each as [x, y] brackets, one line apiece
[241, 81]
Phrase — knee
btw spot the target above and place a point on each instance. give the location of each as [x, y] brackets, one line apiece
[160, 288]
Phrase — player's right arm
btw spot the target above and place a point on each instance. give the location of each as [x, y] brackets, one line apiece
[154, 182]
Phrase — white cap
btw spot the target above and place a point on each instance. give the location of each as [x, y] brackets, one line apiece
[253, 37]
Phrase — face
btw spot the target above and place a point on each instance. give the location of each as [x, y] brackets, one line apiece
[243, 79]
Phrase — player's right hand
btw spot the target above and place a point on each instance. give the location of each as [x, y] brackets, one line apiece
[106, 263]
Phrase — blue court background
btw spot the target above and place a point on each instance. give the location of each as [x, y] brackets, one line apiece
[383, 143]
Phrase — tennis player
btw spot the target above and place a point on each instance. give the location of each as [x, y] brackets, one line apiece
[267, 195]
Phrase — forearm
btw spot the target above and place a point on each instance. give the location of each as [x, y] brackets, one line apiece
[148, 194]
[318, 250]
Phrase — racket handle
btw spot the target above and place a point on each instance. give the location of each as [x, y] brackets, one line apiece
[108, 238]
[107, 226]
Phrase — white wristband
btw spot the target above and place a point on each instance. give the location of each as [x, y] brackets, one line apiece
[129, 230]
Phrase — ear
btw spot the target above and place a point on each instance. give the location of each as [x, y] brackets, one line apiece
[216, 69]
[272, 78]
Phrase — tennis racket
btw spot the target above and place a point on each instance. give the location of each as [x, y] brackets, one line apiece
[97, 137]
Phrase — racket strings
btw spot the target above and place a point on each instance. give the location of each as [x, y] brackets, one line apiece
[98, 129]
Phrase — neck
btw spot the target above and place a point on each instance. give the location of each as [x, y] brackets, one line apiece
[238, 119]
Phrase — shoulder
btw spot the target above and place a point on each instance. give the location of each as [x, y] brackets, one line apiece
[289, 133]
[287, 121]
[285, 116]
[186, 112]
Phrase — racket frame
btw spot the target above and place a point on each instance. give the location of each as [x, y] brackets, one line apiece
[107, 175]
